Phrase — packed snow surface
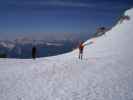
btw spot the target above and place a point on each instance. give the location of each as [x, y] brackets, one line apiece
[105, 73]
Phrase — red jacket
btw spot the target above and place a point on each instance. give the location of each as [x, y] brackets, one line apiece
[81, 46]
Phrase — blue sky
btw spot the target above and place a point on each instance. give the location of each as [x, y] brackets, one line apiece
[39, 18]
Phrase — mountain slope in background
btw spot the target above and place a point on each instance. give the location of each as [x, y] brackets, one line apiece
[23, 50]
[105, 73]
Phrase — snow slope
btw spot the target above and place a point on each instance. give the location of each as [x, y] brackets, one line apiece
[105, 73]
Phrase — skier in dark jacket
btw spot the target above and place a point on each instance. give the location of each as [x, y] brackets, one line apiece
[34, 52]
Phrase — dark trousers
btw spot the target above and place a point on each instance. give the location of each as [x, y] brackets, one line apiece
[81, 55]
[33, 56]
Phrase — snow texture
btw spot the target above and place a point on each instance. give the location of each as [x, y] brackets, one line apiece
[105, 73]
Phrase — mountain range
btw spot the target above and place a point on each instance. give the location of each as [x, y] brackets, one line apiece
[22, 47]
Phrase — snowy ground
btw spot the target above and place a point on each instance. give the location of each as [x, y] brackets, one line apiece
[105, 73]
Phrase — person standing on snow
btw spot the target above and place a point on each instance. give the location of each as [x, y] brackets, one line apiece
[34, 52]
[81, 47]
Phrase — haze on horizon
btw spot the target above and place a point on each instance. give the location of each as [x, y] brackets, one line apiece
[57, 18]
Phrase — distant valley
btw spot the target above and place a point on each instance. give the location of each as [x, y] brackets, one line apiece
[22, 48]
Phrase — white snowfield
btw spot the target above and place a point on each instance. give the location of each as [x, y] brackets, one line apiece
[105, 73]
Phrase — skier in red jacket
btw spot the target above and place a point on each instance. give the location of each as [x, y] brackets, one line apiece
[81, 47]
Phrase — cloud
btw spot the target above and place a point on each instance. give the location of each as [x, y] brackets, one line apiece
[51, 3]
[90, 5]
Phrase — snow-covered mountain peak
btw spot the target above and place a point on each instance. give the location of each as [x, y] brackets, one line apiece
[117, 40]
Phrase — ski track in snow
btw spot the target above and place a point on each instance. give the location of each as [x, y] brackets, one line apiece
[105, 73]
